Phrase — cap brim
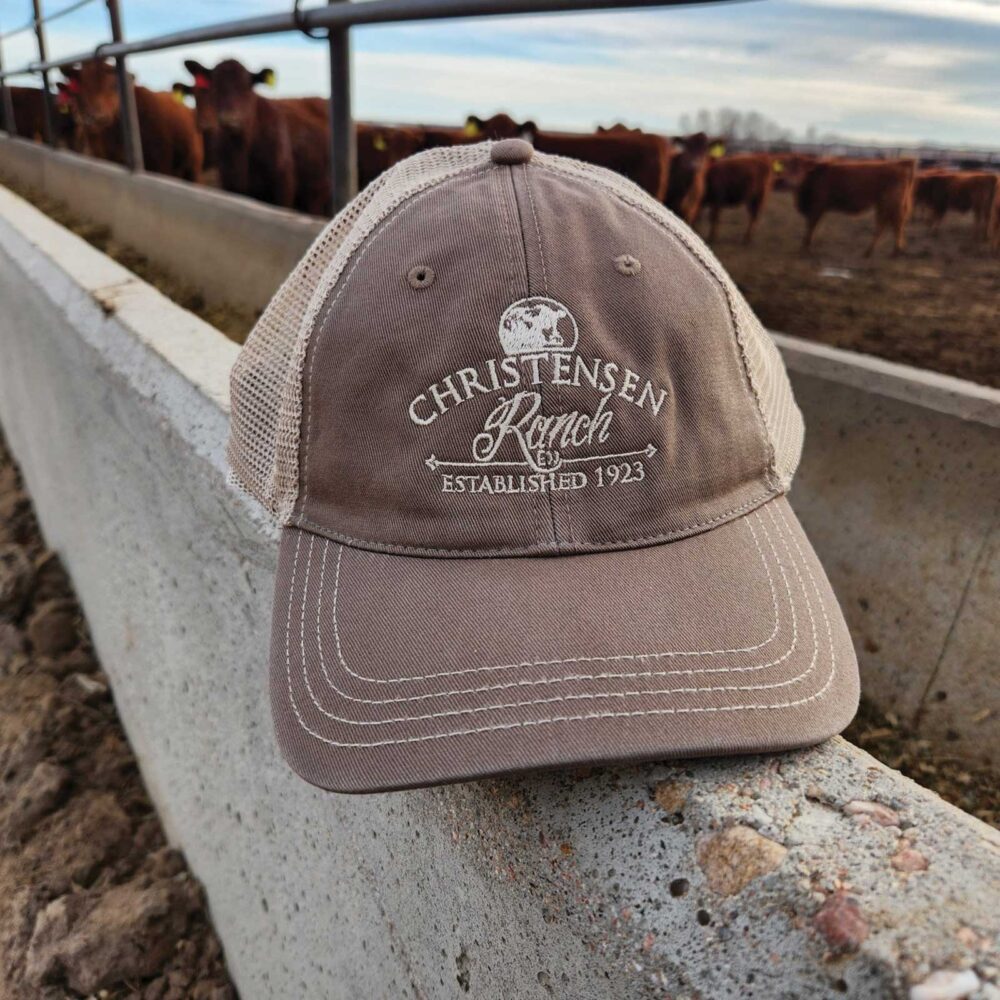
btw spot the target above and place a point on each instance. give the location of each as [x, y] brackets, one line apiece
[392, 671]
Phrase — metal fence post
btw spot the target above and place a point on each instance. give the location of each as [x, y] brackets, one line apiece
[343, 144]
[131, 136]
[49, 131]
[6, 103]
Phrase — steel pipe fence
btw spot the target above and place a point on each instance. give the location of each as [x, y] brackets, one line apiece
[331, 22]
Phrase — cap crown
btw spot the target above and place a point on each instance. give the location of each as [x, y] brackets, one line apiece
[482, 359]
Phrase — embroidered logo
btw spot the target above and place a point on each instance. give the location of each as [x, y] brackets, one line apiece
[556, 451]
[537, 324]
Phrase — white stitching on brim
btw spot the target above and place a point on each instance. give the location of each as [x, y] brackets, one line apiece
[619, 657]
[588, 696]
[525, 723]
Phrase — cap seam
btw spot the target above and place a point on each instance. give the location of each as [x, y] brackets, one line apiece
[303, 522]
[548, 498]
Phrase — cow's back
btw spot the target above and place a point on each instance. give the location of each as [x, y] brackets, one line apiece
[644, 158]
[171, 141]
[855, 186]
[733, 180]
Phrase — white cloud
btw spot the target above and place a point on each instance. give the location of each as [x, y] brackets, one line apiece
[974, 11]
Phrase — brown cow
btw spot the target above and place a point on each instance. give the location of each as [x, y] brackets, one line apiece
[941, 191]
[688, 167]
[738, 180]
[255, 151]
[500, 126]
[854, 186]
[381, 146]
[29, 112]
[29, 116]
[171, 142]
[642, 157]
[790, 169]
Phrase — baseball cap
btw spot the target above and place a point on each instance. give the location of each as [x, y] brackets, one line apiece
[529, 449]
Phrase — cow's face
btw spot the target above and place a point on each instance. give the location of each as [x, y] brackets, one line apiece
[92, 92]
[500, 127]
[224, 95]
[204, 106]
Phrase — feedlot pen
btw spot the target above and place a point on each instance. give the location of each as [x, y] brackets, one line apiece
[934, 307]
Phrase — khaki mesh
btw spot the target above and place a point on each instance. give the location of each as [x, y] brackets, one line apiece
[266, 381]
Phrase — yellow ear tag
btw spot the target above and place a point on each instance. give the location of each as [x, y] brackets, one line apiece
[778, 166]
[379, 143]
[717, 150]
[269, 78]
[471, 129]
[179, 96]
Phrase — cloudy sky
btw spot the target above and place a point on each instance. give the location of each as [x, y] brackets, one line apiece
[884, 70]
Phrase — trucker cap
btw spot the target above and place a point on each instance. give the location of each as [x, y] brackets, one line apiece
[529, 448]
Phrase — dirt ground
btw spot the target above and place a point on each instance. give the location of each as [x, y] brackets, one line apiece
[937, 306]
[92, 901]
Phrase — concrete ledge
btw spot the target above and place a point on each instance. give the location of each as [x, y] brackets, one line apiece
[806, 874]
[234, 249]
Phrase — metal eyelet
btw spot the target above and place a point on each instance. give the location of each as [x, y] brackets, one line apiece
[420, 276]
[628, 265]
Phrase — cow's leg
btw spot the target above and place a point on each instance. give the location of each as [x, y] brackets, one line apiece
[880, 224]
[713, 222]
[811, 223]
[899, 225]
[753, 214]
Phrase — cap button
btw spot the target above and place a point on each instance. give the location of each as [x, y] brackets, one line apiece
[511, 151]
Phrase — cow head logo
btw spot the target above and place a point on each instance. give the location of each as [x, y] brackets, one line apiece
[537, 325]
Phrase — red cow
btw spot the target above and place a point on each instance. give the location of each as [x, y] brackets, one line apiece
[642, 157]
[790, 169]
[171, 143]
[855, 186]
[940, 191]
[254, 147]
[688, 168]
[738, 180]
[380, 147]
[29, 116]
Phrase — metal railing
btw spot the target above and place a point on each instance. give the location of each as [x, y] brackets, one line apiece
[336, 19]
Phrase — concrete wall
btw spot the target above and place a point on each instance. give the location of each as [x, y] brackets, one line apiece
[781, 876]
[234, 249]
[899, 489]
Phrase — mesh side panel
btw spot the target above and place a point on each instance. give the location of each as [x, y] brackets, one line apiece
[266, 381]
[764, 367]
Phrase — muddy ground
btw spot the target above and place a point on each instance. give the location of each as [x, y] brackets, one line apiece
[937, 306]
[92, 900]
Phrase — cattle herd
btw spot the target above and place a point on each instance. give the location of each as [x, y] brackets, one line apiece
[278, 151]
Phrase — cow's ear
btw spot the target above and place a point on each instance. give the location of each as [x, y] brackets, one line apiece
[474, 126]
[265, 76]
[195, 68]
[70, 71]
[181, 90]
[529, 131]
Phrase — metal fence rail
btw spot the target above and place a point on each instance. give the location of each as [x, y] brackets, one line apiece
[336, 19]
